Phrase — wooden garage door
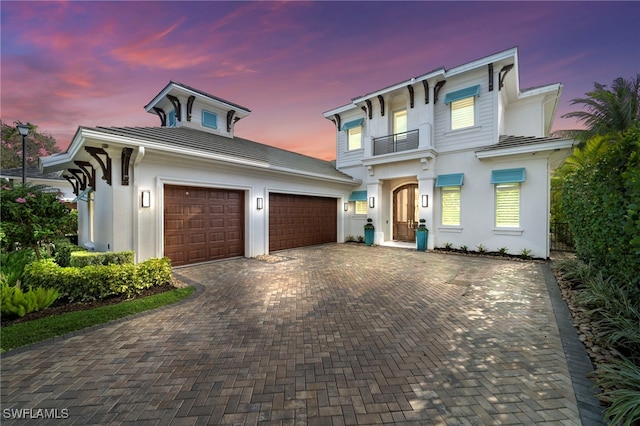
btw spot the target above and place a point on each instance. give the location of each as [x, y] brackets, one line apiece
[202, 224]
[298, 220]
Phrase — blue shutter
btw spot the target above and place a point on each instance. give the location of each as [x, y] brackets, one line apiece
[171, 121]
[209, 119]
[462, 94]
[454, 179]
[508, 175]
[358, 196]
[352, 124]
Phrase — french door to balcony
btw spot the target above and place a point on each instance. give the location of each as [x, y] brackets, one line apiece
[405, 212]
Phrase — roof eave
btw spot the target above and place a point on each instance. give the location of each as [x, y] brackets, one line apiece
[526, 149]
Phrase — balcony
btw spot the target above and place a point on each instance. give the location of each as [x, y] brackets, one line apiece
[396, 143]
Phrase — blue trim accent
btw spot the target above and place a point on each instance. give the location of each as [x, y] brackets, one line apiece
[352, 124]
[508, 175]
[462, 94]
[171, 120]
[358, 196]
[453, 179]
[209, 119]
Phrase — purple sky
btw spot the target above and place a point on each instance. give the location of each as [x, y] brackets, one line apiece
[70, 64]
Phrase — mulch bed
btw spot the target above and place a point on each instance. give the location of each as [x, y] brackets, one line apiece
[61, 306]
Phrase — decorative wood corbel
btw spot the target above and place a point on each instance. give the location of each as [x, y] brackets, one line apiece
[162, 115]
[80, 178]
[502, 74]
[368, 102]
[410, 88]
[337, 121]
[490, 66]
[125, 161]
[436, 90]
[381, 100]
[104, 165]
[89, 172]
[364, 108]
[425, 84]
[176, 106]
[190, 106]
[230, 115]
[74, 183]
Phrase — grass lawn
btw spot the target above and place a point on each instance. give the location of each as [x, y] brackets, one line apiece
[26, 333]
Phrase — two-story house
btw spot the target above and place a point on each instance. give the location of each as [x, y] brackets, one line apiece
[435, 147]
[466, 149]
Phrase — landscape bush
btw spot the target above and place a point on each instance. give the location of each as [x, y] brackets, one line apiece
[81, 259]
[62, 249]
[98, 281]
[16, 302]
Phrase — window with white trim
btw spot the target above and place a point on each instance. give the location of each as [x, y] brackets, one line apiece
[400, 124]
[361, 207]
[450, 205]
[354, 138]
[209, 119]
[507, 205]
[463, 113]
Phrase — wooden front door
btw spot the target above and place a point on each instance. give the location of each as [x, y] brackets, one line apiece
[405, 212]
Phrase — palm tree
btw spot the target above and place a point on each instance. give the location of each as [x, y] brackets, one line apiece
[607, 111]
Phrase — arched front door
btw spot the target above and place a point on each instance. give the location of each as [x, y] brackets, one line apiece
[405, 212]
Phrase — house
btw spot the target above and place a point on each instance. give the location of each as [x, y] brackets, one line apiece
[433, 147]
[34, 176]
[465, 149]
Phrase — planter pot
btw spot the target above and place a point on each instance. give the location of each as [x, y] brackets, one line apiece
[368, 236]
[422, 236]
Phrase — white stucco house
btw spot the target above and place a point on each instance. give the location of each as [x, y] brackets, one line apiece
[465, 149]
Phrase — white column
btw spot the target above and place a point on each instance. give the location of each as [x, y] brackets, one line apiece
[374, 190]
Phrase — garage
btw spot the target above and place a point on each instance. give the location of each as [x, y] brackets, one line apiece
[301, 220]
[202, 224]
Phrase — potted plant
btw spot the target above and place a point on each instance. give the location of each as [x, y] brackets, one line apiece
[368, 232]
[422, 236]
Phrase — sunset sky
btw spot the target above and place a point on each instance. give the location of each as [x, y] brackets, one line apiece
[70, 64]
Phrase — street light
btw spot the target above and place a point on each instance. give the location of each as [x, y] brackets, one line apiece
[24, 131]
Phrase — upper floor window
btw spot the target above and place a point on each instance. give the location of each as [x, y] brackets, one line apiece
[171, 120]
[462, 107]
[354, 134]
[507, 188]
[209, 119]
[400, 123]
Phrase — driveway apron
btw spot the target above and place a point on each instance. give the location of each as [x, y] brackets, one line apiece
[327, 335]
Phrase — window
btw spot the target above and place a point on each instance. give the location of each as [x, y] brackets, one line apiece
[361, 207]
[172, 118]
[400, 124]
[507, 205]
[354, 138]
[462, 113]
[450, 205]
[209, 119]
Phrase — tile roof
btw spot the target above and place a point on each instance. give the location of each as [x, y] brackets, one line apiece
[507, 141]
[238, 148]
[32, 172]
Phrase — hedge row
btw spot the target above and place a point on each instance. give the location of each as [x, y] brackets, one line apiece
[98, 281]
[80, 259]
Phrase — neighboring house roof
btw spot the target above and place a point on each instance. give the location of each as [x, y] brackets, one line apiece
[32, 173]
[236, 150]
[510, 145]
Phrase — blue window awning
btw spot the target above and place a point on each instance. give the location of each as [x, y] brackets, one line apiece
[508, 175]
[462, 94]
[453, 179]
[358, 196]
[352, 124]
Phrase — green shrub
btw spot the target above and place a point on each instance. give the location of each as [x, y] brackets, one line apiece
[16, 302]
[12, 265]
[621, 383]
[98, 281]
[80, 259]
[62, 250]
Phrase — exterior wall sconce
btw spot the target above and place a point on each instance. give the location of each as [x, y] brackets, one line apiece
[425, 200]
[259, 203]
[346, 207]
[146, 199]
[372, 202]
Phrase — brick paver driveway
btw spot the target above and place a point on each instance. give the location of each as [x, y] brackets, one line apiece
[330, 335]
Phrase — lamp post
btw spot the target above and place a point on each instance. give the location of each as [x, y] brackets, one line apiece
[24, 131]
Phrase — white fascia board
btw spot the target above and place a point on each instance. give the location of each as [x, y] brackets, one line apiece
[215, 102]
[401, 85]
[316, 176]
[526, 149]
[542, 90]
[339, 110]
[513, 52]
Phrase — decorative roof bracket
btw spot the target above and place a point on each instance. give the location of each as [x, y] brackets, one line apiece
[490, 66]
[368, 102]
[381, 99]
[162, 115]
[126, 160]
[176, 106]
[190, 106]
[230, 115]
[88, 170]
[436, 90]
[410, 88]
[74, 183]
[105, 166]
[80, 178]
[503, 73]
[337, 121]
[425, 83]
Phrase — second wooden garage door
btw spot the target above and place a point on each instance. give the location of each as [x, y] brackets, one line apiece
[202, 224]
[299, 220]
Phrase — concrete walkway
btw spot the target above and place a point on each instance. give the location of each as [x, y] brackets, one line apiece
[328, 335]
